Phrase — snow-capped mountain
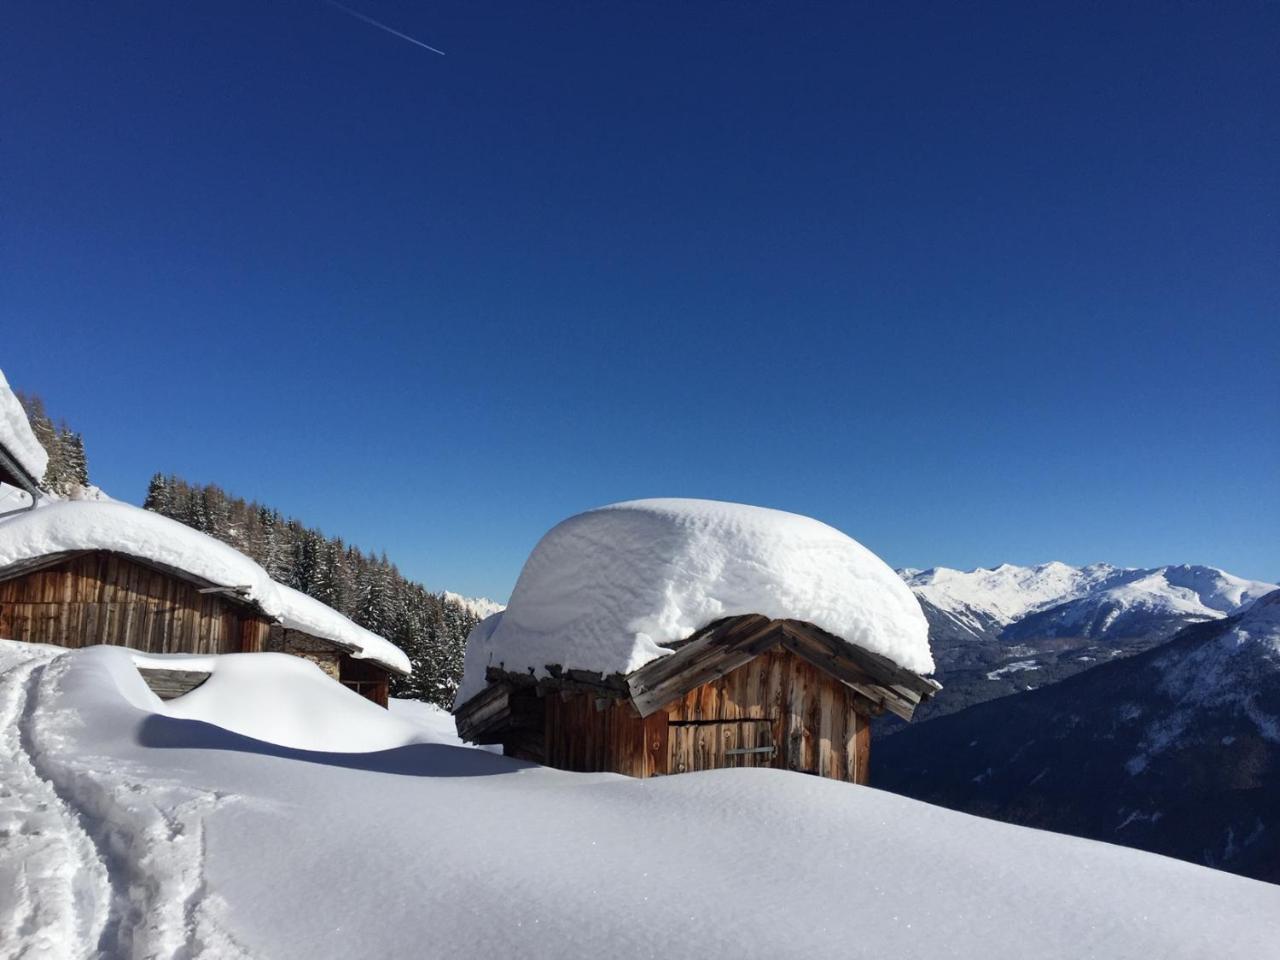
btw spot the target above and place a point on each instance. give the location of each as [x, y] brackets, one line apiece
[1175, 750]
[477, 606]
[982, 598]
[1085, 601]
[1001, 630]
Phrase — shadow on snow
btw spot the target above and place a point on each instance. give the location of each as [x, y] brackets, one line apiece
[413, 760]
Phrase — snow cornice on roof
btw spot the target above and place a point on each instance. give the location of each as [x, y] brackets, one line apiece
[22, 458]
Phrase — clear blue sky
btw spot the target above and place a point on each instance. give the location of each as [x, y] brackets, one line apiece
[973, 283]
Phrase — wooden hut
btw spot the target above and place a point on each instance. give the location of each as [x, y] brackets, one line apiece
[655, 597]
[128, 577]
[87, 597]
[745, 691]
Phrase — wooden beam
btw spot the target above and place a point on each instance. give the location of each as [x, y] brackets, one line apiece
[169, 684]
[229, 591]
[725, 645]
[710, 654]
[841, 662]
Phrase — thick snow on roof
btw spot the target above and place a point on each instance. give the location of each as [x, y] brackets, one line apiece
[123, 528]
[16, 436]
[607, 590]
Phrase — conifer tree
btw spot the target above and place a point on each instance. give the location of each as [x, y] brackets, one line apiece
[157, 498]
[428, 627]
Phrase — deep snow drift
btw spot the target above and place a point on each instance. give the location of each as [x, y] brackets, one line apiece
[278, 698]
[123, 528]
[131, 833]
[606, 590]
[16, 435]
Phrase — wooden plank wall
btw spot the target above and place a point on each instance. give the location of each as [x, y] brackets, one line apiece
[610, 738]
[106, 598]
[171, 684]
[776, 700]
[812, 721]
[366, 678]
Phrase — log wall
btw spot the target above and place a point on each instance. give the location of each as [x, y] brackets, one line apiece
[103, 597]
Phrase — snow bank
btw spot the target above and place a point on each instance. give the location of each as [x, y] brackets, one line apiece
[434, 724]
[123, 528]
[131, 833]
[606, 590]
[281, 699]
[16, 435]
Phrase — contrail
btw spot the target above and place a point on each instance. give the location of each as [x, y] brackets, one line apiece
[382, 26]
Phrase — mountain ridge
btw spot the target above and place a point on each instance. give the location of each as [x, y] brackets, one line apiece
[1175, 750]
[1005, 629]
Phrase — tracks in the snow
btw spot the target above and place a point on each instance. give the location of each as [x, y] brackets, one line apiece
[61, 889]
[106, 859]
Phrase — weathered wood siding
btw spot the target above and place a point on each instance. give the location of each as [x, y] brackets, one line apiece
[103, 597]
[171, 684]
[364, 677]
[590, 734]
[774, 711]
[776, 700]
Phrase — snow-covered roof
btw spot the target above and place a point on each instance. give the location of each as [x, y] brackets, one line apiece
[59, 527]
[16, 436]
[608, 590]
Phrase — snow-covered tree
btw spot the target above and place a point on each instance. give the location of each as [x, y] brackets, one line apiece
[430, 628]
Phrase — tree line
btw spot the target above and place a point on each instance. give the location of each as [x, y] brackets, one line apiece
[68, 470]
[430, 628]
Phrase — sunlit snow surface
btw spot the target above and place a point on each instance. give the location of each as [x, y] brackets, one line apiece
[130, 832]
[608, 589]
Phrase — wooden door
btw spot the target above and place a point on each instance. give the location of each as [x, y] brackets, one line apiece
[715, 744]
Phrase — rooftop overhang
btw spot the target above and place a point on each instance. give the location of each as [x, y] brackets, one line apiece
[506, 703]
[727, 644]
[13, 473]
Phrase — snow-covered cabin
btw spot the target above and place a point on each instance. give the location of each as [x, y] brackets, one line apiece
[664, 636]
[78, 573]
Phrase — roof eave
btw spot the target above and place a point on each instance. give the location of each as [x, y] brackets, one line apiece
[12, 471]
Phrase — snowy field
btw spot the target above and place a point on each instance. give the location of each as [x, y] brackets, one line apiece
[129, 828]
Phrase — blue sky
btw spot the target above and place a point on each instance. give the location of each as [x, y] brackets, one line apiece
[974, 285]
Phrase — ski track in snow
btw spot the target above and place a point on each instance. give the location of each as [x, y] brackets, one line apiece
[58, 884]
[105, 865]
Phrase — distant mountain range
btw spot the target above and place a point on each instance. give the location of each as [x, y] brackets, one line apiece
[477, 606]
[1009, 629]
[1174, 750]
